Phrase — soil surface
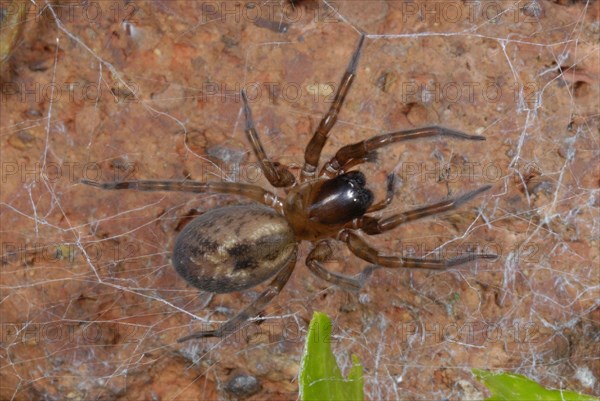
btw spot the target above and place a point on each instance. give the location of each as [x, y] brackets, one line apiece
[110, 91]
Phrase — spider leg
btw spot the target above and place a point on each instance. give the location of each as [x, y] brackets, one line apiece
[252, 310]
[277, 174]
[363, 250]
[344, 157]
[253, 192]
[372, 225]
[322, 252]
[312, 154]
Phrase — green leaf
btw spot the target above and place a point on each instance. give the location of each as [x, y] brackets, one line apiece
[510, 386]
[320, 376]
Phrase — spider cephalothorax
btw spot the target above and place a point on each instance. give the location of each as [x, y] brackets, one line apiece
[237, 247]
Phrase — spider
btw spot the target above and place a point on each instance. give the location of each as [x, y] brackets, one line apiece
[234, 248]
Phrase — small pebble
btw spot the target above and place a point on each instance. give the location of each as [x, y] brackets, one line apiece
[243, 385]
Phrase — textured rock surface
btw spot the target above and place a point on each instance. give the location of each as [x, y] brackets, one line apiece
[91, 307]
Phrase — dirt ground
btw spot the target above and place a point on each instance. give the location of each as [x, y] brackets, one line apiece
[91, 307]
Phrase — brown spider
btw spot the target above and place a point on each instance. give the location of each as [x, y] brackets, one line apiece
[237, 247]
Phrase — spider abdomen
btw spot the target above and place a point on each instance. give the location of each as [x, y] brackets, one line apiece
[233, 248]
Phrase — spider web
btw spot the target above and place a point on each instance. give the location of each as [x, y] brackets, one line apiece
[91, 307]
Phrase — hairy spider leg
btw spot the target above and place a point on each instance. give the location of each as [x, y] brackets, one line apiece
[348, 155]
[277, 174]
[322, 252]
[359, 247]
[312, 153]
[252, 310]
[372, 225]
[253, 192]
